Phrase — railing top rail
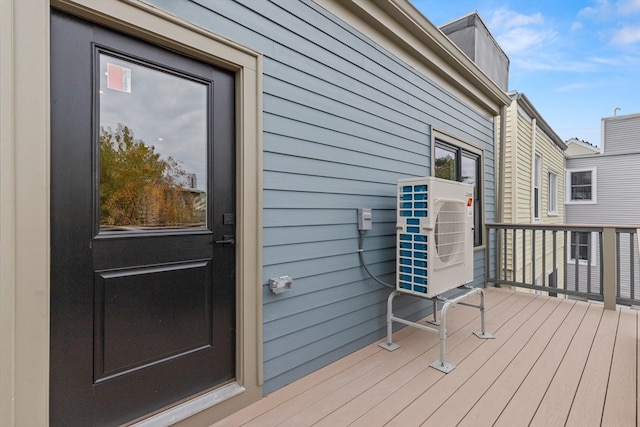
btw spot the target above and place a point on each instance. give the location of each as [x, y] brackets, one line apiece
[562, 227]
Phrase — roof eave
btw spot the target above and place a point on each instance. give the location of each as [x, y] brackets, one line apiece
[528, 107]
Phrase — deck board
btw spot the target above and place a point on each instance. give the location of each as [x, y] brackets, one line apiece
[622, 381]
[589, 400]
[326, 396]
[397, 403]
[490, 356]
[554, 362]
[403, 366]
[521, 386]
[508, 366]
[554, 408]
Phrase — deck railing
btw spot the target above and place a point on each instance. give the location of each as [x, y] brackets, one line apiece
[594, 262]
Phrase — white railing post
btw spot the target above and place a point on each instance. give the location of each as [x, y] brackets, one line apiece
[609, 277]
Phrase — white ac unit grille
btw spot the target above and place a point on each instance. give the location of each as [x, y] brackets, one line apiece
[450, 235]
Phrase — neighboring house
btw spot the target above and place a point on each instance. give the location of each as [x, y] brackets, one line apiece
[533, 175]
[534, 192]
[604, 189]
[293, 114]
[576, 147]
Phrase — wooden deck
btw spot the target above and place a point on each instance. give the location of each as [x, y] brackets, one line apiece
[554, 362]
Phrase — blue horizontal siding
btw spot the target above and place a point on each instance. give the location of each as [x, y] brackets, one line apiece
[325, 264]
[347, 125]
[277, 236]
[343, 120]
[319, 216]
[288, 136]
[322, 168]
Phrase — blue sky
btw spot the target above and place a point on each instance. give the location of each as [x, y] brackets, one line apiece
[576, 60]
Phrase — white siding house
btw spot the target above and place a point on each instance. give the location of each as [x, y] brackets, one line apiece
[604, 189]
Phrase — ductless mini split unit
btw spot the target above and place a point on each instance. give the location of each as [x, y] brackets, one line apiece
[434, 235]
[434, 251]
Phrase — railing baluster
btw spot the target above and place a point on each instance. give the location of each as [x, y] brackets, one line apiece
[576, 259]
[506, 267]
[554, 267]
[544, 256]
[619, 279]
[589, 263]
[632, 268]
[602, 263]
[524, 255]
[533, 256]
[514, 262]
[565, 260]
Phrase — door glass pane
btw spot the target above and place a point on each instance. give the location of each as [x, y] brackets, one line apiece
[153, 148]
[445, 163]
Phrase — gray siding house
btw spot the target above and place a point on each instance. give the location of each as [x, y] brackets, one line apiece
[332, 102]
[604, 188]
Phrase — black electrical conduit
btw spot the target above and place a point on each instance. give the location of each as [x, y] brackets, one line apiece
[364, 264]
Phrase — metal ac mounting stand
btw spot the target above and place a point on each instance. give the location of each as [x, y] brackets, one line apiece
[440, 364]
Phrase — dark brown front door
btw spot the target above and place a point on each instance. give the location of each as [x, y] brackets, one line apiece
[142, 220]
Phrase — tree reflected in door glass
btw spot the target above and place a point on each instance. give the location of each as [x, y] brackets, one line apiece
[140, 189]
[155, 178]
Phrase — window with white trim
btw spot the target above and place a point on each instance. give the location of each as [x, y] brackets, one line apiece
[537, 183]
[581, 186]
[459, 164]
[553, 193]
[582, 246]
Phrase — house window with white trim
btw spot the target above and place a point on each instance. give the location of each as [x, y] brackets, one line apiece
[581, 186]
[537, 183]
[459, 164]
[553, 193]
[582, 247]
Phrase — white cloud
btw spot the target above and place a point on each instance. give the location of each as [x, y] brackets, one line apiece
[626, 35]
[605, 9]
[518, 33]
[504, 19]
[623, 61]
[628, 7]
[532, 43]
[524, 40]
[573, 87]
[553, 62]
[600, 10]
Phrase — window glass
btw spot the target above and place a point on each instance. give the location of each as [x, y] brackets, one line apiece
[456, 164]
[580, 245]
[469, 168]
[581, 185]
[446, 163]
[553, 193]
[537, 178]
[471, 175]
[152, 148]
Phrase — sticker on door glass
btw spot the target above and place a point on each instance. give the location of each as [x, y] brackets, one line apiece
[118, 78]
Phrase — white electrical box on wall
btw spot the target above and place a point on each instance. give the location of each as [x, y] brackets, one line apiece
[434, 235]
[365, 219]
